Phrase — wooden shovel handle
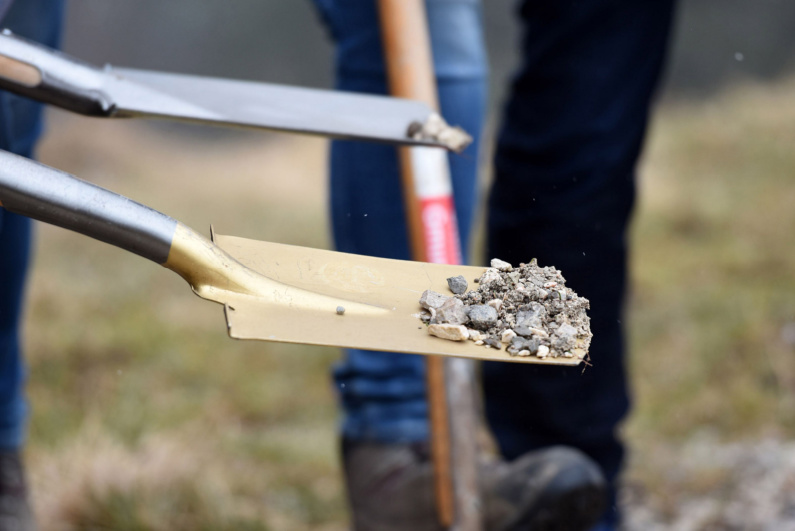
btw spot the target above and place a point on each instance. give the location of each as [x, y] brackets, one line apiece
[409, 63]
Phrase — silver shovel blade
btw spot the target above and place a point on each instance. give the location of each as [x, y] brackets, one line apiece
[264, 105]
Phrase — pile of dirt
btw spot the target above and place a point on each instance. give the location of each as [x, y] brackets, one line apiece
[528, 310]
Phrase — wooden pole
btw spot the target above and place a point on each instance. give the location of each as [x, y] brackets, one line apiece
[433, 237]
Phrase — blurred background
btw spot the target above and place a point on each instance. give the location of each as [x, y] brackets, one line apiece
[145, 416]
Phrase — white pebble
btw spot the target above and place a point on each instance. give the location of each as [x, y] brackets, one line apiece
[568, 354]
[507, 335]
[449, 331]
[500, 264]
[479, 342]
[475, 335]
[489, 277]
[495, 303]
[538, 332]
[523, 353]
[550, 285]
[543, 351]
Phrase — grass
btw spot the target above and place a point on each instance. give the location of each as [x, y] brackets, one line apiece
[713, 281]
[145, 416]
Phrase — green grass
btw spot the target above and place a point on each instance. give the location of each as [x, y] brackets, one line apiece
[146, 416]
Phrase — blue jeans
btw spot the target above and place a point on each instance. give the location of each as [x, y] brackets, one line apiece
[383, 394]
[20, 127]
[563, 192]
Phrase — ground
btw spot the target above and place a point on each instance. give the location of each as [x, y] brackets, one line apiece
[146, 416]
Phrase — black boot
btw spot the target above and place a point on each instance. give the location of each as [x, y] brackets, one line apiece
[390, 488]
[15, 513]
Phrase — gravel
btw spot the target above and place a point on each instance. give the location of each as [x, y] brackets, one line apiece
[711, 485]
[527, 310]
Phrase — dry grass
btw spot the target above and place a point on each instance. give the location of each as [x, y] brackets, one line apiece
[713, 301]
[145, 416]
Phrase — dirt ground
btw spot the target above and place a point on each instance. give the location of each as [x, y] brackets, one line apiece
[146, 416]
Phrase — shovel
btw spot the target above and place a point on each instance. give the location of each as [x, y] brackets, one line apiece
[45, 75]
[269, 291]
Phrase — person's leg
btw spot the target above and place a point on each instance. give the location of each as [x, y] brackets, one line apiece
[387, 471]
[563, 192]
[383, 395]
[20, 127]
[14, 256]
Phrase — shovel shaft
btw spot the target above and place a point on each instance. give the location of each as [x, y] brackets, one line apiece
[58, 198]
[32, 70]
[52, 196]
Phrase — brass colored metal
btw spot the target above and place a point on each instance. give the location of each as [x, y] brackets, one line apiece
[215, 275]
[278, 292]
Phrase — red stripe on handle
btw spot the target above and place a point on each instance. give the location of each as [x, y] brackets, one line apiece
[441, 230]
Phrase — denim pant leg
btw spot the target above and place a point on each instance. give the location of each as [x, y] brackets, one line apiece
[563, 192]
[383, 394]
[20, 127]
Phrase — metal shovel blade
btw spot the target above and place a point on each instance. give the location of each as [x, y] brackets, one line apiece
[380, 299]
[266, 105]
[37, 72]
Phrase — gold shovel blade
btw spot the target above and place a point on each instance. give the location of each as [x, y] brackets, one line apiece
[380, 298]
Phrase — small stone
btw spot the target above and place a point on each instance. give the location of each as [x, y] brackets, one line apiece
[431, 299]
[568, 354]
[565, 337]
[495, 303]
[543, 351]
[340, 310]
[449, 331]
[479, 342]
[529, 317]
[490, 279]
[452, 311]
[538, 332]
[519, 344]
[457, 285]
[501, 265]
[550, 285]
[523, 353]
[507, 336]
[482, 316]
[474, 335]
[493, 343]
